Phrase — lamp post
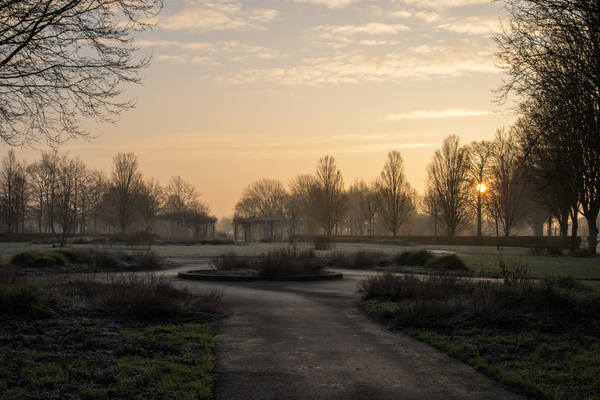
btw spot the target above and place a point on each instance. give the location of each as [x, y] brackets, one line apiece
[480, 189]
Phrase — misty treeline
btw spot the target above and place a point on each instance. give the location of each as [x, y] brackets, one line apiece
[514, 199]
[546, 166]
[62, 195]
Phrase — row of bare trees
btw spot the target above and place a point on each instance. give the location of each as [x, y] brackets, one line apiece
[550, 52]
[322, 201]
[491, 182]
[62, 195]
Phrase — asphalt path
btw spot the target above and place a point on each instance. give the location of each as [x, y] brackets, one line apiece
[307, 340]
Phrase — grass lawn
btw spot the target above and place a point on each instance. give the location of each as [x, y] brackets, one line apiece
[545, 365]
[100, 358]
[479, 258]
[541, 337]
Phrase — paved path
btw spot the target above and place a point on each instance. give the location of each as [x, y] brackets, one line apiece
[300, 340]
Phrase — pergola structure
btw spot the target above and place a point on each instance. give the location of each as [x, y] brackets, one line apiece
[272, 228]
[176, 227]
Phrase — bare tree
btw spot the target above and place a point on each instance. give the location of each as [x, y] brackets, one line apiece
[14, 193]
[300, 188]
[430, 206]
[95, 195]
[480, 155]
[549, 51]
[262, 198]
[152, 199]
[62, 59]
[328, 196]
[67, 195]
[447, 180]
[122, 194]
[366, 201]
[182, 197]
[43, 176]
[396, 196]
[506, 180]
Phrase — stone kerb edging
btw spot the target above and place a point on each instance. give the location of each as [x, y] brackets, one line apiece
[252, 278]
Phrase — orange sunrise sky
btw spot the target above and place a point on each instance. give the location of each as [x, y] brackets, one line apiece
[243, 90]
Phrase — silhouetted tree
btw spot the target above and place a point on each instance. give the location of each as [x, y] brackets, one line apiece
[262, 198]
[327, 196]
[366, 200]
[480, 154]
[447, 180]
[549, 51]
[506, 181]
[122, 195]
[396, 196]
[61, 59]
[14, 192]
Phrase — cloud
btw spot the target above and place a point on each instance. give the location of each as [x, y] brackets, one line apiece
[374, 28]
[191, 145]
[442, 59]
[209, 16]
[428, 16]
[443, 4]
[451, 113]
[343, 35]
[479, 25]
[333, 4]
[400, 14]
[205, 47]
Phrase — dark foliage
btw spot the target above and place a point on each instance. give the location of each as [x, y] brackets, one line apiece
[413, 258]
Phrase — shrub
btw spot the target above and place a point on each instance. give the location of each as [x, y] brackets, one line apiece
[221, 241]
[26, 299]
[146, 261]
[323, 242]
[288, 262]
[546, 250]
[396, 287]
[230, 262]
[338, 259]
[266, 240]
[359, 260]
[448, 262]
[152, 295]
[515, 273]
[81, 241]
[9, 275]
[39, 259]
[565, 282]
[413, 258]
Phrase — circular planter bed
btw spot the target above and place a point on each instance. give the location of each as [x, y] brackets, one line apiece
[211, 275]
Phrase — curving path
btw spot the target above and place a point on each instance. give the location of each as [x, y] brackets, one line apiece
[296, 340]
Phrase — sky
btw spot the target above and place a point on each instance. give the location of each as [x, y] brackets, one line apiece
[243, 90]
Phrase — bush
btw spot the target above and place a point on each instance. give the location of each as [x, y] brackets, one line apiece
[39, 259]
[448, 262]
[396, 287]
[81, 241]
[146, 261]
[266, 240]
[288, 262]
[413, 258]
[26, 299]
[230, 262]
[151, 295]
[546, 250]
[217, 241]
[323, 242]
[359, 260]
[9, 275]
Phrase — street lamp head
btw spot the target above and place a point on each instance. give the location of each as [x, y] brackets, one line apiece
[481, 187]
